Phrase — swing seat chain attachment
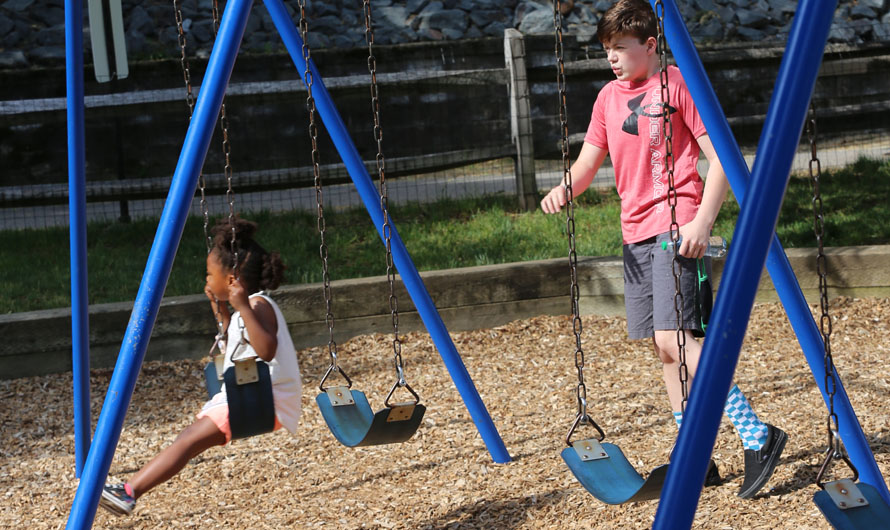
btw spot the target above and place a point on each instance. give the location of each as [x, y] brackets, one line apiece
[339, 395]
[589, 449]
[246, 371]
[845, 494]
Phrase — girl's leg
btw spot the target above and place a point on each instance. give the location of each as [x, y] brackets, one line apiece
[194, 440]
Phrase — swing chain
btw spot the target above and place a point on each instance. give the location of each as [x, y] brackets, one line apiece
[220, 339]
[384, 206]
[190, 101]
[668, 132]
[227, 149]
[319, 203]
[835, 449]
[582, 418]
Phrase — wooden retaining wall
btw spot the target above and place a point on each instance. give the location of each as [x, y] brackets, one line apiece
[39, 342]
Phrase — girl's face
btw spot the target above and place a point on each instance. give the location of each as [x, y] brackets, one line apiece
[629, 58]
[217, 277]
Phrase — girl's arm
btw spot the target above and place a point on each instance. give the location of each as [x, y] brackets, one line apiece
[695, 234]
[259, 319]
[583, 170]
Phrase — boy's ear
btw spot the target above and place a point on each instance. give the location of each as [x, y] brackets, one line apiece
[651, 45]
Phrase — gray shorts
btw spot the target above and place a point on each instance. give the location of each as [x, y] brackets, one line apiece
[649, 289]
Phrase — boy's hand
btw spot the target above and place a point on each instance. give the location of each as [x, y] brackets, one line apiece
[695, 239]
[554, 201]
[238, 295]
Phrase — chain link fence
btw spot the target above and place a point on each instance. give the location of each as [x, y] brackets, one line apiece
[445, 120]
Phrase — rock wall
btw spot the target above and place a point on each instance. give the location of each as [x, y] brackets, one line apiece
[32, 31]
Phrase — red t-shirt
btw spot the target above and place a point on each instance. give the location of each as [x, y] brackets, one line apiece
[626, 121]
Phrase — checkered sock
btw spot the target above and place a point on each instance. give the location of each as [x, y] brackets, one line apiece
[678, 417]
[751, 430]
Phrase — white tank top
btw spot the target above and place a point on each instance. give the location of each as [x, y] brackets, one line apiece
[287, 385]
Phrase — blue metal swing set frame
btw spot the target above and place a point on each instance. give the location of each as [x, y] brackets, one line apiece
[759, 193]
[98, 456]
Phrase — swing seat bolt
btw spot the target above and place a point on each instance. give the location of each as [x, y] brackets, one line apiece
[843, 504]
[843, 491]
[860, 500]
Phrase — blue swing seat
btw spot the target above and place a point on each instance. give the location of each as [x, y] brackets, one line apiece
[613, 480]
[355, 425]
[876, 514]
[212, 380]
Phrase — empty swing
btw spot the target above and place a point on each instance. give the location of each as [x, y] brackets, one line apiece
[347, 412]
[602, 468]
[846, 504]
[245, 377]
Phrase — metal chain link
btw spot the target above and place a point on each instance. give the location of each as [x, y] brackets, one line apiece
[227, 150]
[219, 340]
[319, 200]
[834, 450]
[190, 101]
[667, 129]
[582, 417]
[384, 205]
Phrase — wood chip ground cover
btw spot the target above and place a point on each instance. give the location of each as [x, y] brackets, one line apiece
[444, 477]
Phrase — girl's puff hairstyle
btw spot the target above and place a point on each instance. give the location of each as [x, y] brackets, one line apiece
[633, 18]
[257, 268]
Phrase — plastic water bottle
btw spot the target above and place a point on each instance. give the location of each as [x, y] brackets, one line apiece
[716, 246]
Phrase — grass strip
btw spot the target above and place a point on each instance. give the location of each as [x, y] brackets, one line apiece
[34, 272]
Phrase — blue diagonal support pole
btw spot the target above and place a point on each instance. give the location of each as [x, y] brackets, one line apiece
[753, 235]
[160, 260]
[407, 271]
[777, 264]
[77, 229]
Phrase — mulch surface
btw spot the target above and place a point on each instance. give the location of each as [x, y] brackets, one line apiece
[444, 476]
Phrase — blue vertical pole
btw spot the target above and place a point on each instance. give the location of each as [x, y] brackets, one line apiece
[77, 229]
[777, 263]
[408, 272]
[160, 260]
[753, 235]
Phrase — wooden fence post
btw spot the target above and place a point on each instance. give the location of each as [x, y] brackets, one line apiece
[520, 120]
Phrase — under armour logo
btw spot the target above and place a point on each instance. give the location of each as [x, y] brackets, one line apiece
[631, 125]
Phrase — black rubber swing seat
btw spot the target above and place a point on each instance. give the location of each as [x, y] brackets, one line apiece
[251, 405]
[875, 514]
[611, 478]
[355, 424]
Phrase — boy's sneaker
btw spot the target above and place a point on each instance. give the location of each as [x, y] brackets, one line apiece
[712, 477]
[116, 500]
[760, 464]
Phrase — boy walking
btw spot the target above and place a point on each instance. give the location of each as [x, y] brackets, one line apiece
[626, 124]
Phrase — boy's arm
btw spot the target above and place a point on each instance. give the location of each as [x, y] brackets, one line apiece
[583, 170]
[695, 234]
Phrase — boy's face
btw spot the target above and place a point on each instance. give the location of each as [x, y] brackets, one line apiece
[630, 59]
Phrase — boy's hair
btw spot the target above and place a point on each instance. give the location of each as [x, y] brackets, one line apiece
[634, 18]
[257, 268]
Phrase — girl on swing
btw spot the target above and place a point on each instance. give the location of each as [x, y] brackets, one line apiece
[627, 125]
[268, 336]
